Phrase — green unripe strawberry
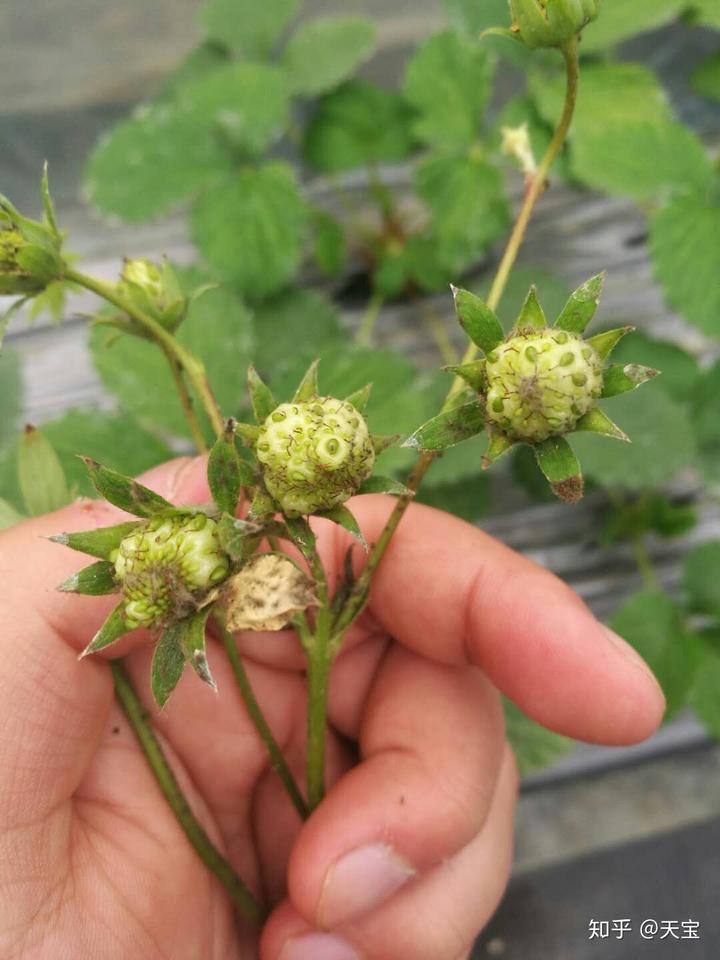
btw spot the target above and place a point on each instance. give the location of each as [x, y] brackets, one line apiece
[168, 565]
[551, 23]
[541, 382]
[17, 276]
[314, 454]
[145, 274]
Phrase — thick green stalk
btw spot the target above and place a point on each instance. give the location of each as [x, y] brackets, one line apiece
[166, 780]
[319, 663]
[261, 725]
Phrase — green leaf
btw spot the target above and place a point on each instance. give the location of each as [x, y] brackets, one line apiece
[448, 82]
[561, 468]
[620, 20]
[246, 26]
[534, 746]
[124, 493]
[653, 624]
[111, 631]
[379, 484]
[684, 245]
[358, 124]
[192, 644]
[308, 387]
[707, 12]
[469, 497]
[581, 306]
[622, 377]
[323, 52]
[605, 343]
[597, 421]
[251, 228]
[474, 17]
[662, 443]
[706, 78]
[94, 581]
[217, 329]
[477, 320]
[101, 542]
[622, 120]
[679, 369]
[225, 478]
[261, 397]
[532, 314]
[277, 322]
[629, 518]
[42, 479]
[9, 516]
[704, 694]
[552, 292]
[248, 103]
[329, 244]
[701, 576]
[150, 162]
[344, 518]
[10, 395]
[168, 663]
[465, 196]
[449, 428]
[200, 62]
[705, 418]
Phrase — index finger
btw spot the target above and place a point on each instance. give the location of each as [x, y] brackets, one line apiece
[454, 594]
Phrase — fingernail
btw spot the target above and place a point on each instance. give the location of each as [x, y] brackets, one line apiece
[317, 946]
[360, 881]
[630, 654]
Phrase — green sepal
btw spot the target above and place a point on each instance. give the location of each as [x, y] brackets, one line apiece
[605, 343]
[561, 468]
[262, 505]
[472, 373]
[238, 537]
[621, 378]
[308, 388]
[47, 202]
[386, 485]
[247, 433]
[344, 518]
[227, 473]
[97, 543]
[359, 399]
[498, 444]
[302, 536]
[261, 397]
[122, 492]
[7, 315]
[582, 305]
[168, 663]
[97, 580]
[383, 442]
[192, 643]
[597, 421]
[477, 320]
[41, 476]
[531, 314]
[449, 428]
[111, 631]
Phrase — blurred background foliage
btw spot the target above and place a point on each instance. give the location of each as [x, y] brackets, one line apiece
[416, 192]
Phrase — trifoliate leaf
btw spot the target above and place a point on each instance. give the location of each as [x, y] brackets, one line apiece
[619, 20]
[661, 442]
[448, 82]
[465, 196]
[679, 371]
[42, 479]
[704, 693]
[653, 624]
[218, 329]
[358, 124]
[623, 139]
[706, 78]
[153, 160]
[247, 102]
[534, 746]
[246, 26]
[267, 593]
[324, 52]
[10, 394]
[251, 228]
[168, 663]
[701, 576]
[685, 248]
[97, 580]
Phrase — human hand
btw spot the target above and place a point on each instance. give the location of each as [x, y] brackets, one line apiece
[409, 853]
